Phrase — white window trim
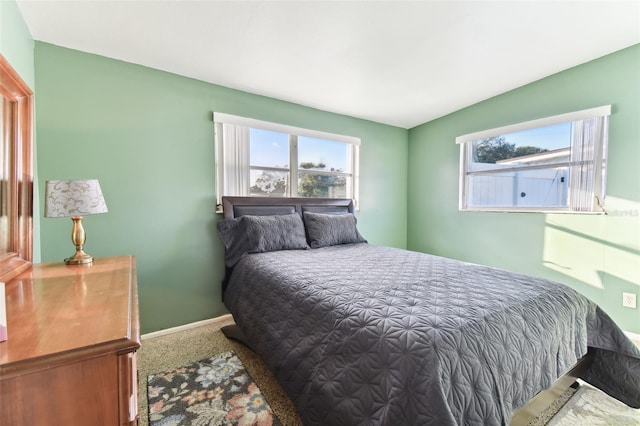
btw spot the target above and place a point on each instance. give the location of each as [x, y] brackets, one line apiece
[282, 128]
[541, 122]
[294, 133]
[585, 114]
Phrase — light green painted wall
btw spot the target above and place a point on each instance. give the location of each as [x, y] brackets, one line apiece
[597, 255]
[16, 45]
[147, 136]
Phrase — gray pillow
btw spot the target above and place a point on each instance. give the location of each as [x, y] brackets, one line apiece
[258, 234]
[273, 233]
[331, 229]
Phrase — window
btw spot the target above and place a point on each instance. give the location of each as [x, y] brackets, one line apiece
[258, 158]
[554, 164]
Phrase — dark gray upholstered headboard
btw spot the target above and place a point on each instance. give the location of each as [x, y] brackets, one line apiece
[267, 206]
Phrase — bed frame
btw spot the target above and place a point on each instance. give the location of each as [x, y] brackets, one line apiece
[233, 207]
[265, 206]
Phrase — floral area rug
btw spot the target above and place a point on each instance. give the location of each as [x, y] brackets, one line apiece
[211, 392]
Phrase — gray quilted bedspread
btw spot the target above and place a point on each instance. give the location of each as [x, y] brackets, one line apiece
[361, 334]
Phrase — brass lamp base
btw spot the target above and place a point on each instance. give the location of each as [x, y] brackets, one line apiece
[80, 258]
[78, 238]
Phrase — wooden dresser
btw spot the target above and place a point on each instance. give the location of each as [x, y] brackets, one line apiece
[70, 357]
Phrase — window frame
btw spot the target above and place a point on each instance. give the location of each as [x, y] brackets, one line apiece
[293, 170]
[466, 153]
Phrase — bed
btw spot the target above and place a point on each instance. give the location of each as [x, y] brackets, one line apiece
[363, 334]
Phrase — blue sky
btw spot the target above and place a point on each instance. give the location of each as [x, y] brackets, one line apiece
[549, 137]
[270, 148]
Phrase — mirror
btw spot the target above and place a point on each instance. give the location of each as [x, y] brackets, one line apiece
[16, 173]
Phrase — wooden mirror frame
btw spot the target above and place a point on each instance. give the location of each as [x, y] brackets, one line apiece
[18, 254]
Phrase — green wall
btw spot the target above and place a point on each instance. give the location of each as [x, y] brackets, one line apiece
[16, 43]
[147, 135]
[597, 255]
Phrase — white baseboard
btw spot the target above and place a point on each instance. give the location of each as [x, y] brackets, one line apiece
[633, 336]
[220, 319]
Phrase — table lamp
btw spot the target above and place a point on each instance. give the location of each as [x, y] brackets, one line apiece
[75, 198]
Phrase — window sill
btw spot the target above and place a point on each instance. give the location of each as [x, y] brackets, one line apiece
[542, 210]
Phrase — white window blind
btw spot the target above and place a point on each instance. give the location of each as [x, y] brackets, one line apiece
[235, 159]
[587, 164]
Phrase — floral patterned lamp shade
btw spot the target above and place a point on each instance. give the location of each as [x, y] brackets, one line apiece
[74, 198]
[77, 197]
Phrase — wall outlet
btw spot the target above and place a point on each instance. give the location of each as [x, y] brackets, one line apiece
[629, 300]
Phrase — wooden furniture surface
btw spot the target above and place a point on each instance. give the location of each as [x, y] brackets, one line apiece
[72, 335]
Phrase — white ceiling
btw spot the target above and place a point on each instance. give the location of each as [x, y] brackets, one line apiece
[394, 62]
